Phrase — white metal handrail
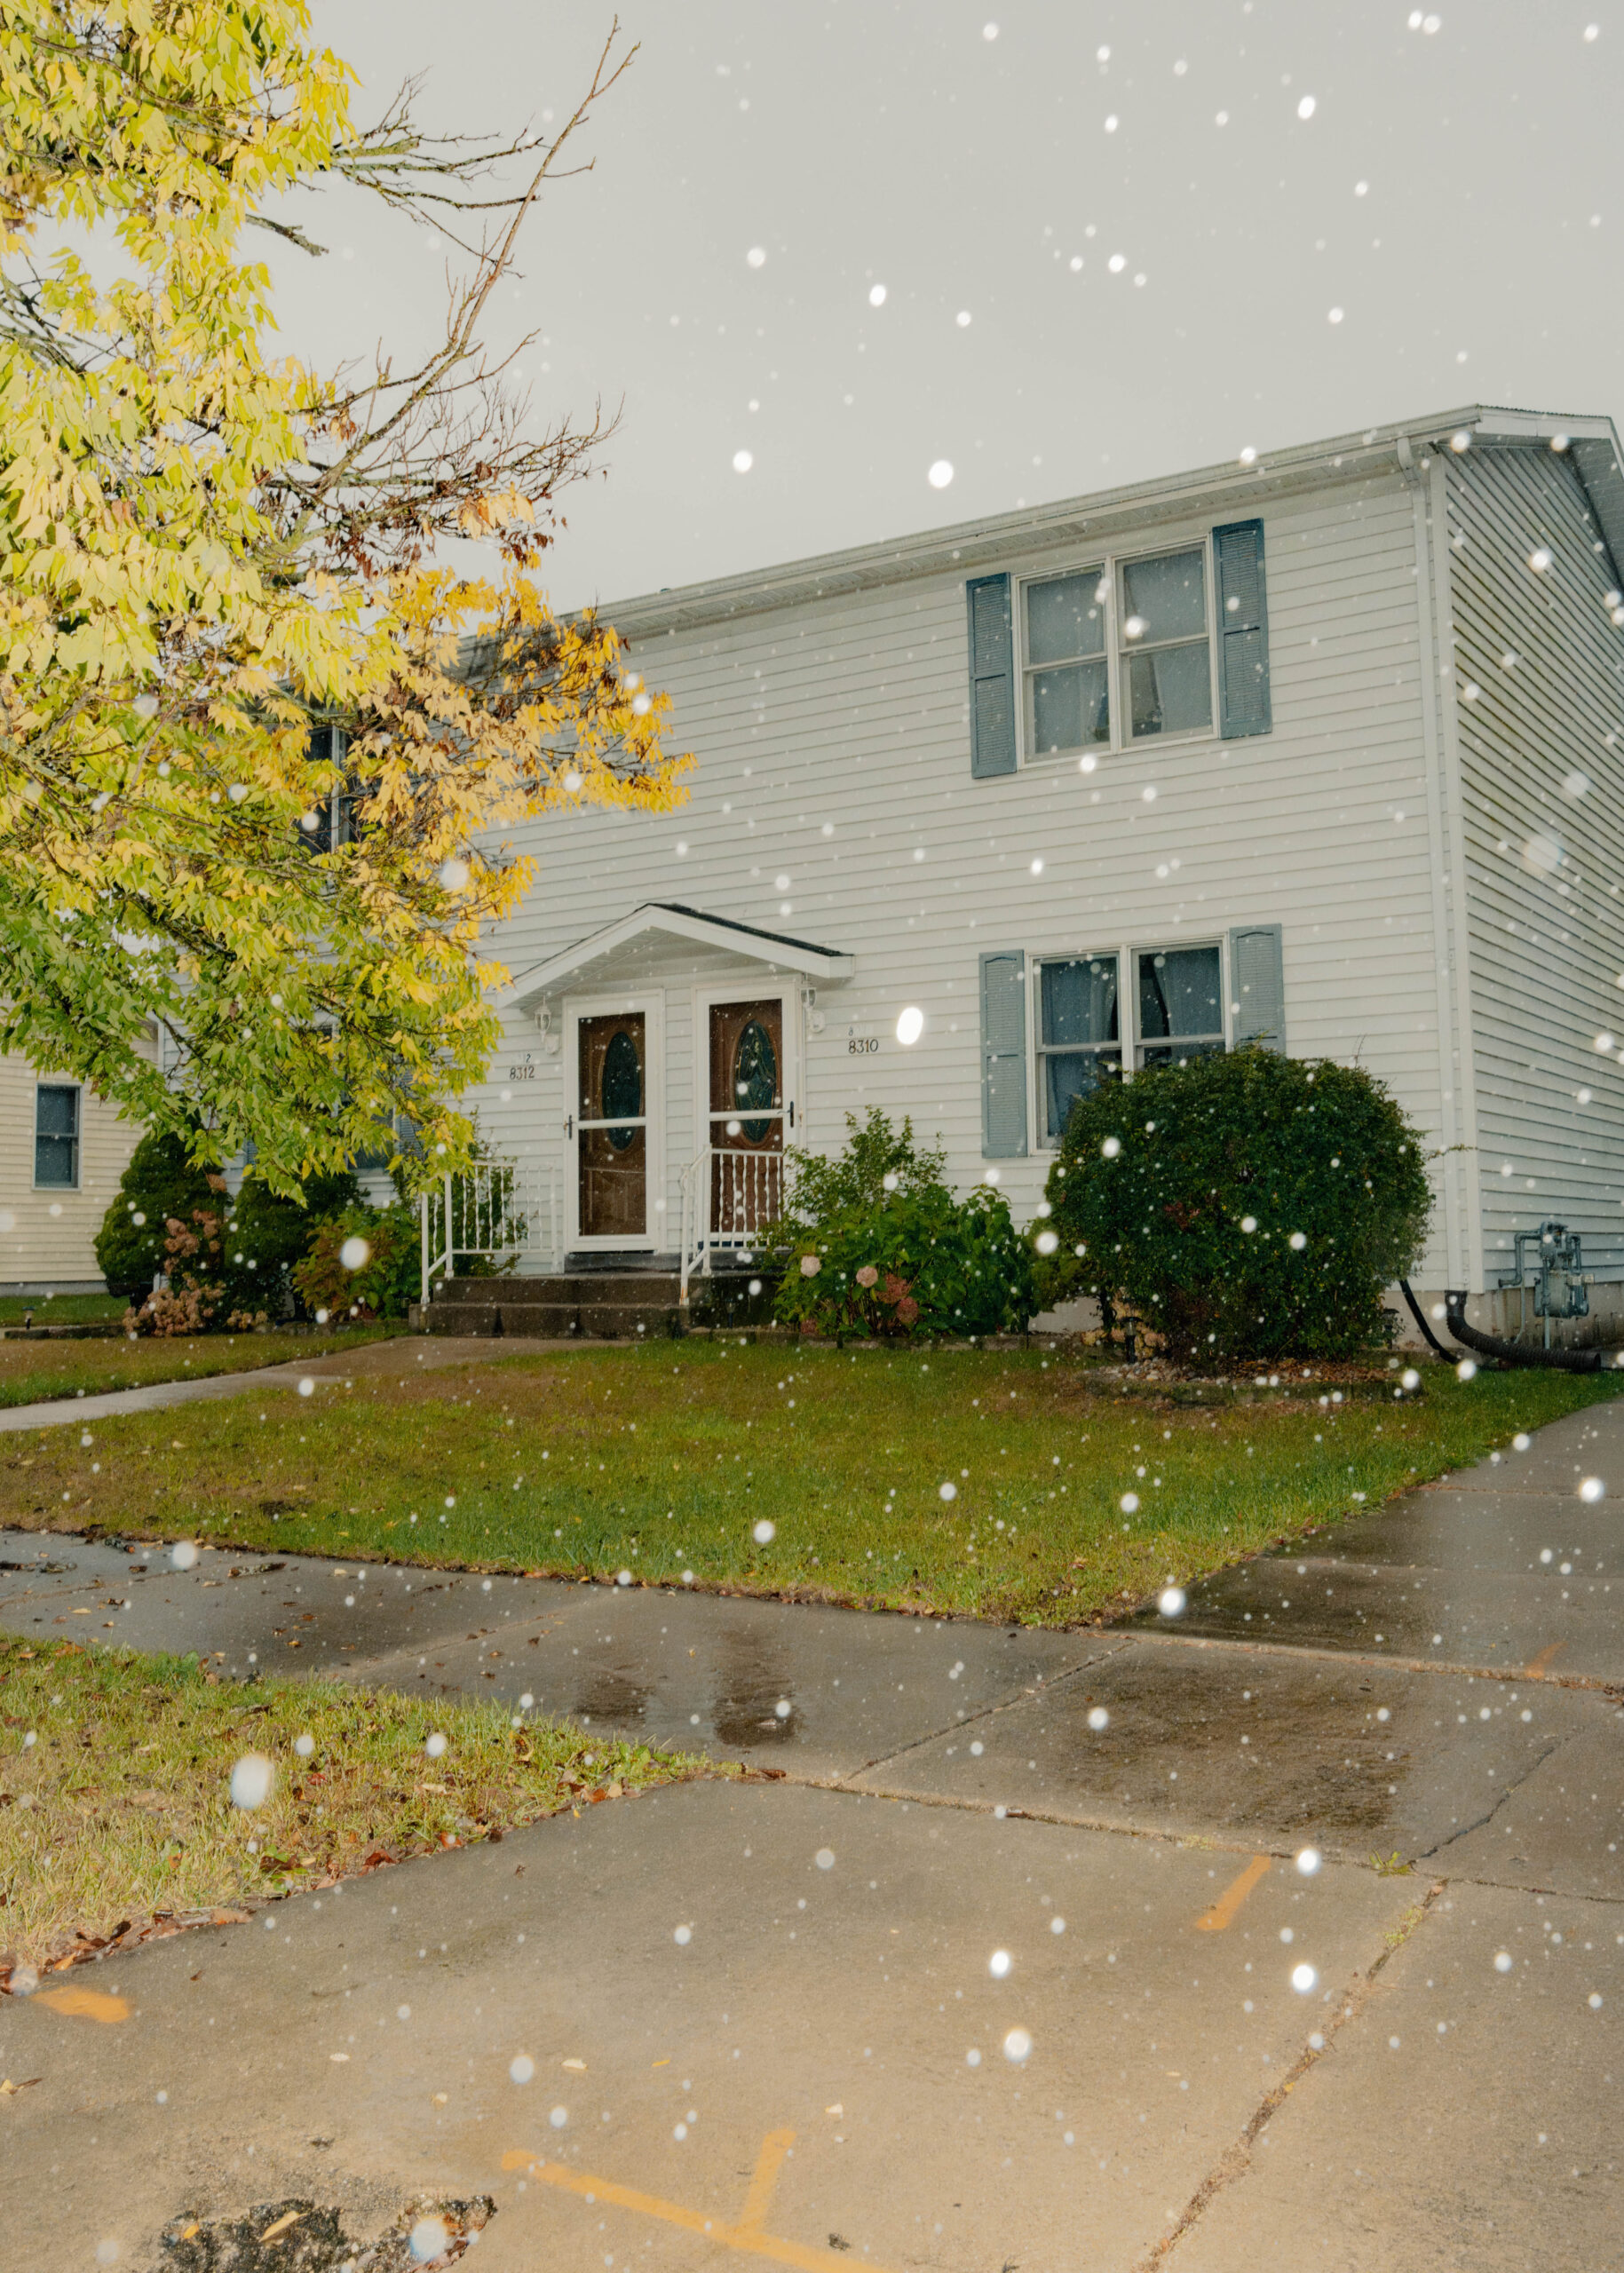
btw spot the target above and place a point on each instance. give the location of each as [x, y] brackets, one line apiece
[503, 1212]
[729, 1196]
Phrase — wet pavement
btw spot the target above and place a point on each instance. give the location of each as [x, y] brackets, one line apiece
[371, 1360]
[949, 1790]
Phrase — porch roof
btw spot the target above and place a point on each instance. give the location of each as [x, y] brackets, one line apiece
[666, 917]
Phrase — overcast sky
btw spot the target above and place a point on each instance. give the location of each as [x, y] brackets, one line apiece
[1177, 228]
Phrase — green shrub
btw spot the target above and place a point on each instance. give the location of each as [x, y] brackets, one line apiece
[267, 1236]
[877, 1246]
[878, 1161]
[1158, 1180]
[162, 1184]
[381, 1283]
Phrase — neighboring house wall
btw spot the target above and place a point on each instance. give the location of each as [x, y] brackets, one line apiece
[834, 747]
[48, 1229]
[1539, 683]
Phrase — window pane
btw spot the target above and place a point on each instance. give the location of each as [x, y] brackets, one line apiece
[1167, 596]
[1171, 691]
[1079, 1002]
[56, 1112]
[1069, 1075]
[1179, 1053]
[1180, 994]
[1065, 617]
[1070, 708]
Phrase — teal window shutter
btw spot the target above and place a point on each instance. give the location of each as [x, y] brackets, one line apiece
[991, 677]
[1243, 631]
[1257, 985]
[1003, 1057]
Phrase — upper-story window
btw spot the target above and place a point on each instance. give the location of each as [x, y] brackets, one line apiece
[56, 1136]
[1117, 653]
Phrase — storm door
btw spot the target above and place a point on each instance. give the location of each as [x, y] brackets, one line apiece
[751, 1111]
[612, 1128]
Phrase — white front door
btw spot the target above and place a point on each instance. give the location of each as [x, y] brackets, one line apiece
[614, 1152]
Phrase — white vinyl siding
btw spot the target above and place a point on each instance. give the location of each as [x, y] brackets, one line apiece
[833, 743]
[1543, 825]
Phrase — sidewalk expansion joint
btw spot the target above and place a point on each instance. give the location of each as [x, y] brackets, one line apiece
[1456, 1668]
[1236, 2161]
[1007, 1704]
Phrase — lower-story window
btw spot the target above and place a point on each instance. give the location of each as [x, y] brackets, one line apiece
[1098, 1016]
[56, 1136]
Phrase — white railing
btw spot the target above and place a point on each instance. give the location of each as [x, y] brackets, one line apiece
[501, 1212]
[728, 1198]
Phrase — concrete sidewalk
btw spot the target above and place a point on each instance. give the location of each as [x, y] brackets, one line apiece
[749, 2012]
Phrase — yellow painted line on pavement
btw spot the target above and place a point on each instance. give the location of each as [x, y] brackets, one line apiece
[84, 2004]
[1536, 1666]
[1224, 1910]
[758, 2201]
[748, 2240]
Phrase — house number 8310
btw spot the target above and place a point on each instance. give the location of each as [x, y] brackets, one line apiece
[864, 1046]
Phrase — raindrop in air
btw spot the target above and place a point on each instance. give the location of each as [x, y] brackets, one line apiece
[764, 1532]
[251, 1780]
[521, 2068]
[183, 1555]
[430, 2238]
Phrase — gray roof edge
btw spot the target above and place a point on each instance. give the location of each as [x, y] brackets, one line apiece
[1231, 487]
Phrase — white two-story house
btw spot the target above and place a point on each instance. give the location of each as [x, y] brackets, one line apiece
[1319, 750]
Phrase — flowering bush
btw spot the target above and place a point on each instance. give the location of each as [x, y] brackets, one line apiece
[1241, 1207]
[366, 1263]
[194, 1301]
[879, 1247]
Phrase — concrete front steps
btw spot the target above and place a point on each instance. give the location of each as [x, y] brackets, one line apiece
[584, 1306]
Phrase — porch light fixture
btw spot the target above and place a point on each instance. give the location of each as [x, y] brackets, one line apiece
[910, 1025]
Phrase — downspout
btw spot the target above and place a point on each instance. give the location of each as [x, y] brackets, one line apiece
[1465, 1064]
[1425, 619]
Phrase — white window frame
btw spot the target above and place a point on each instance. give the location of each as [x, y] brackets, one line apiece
[1129, 1041]
[1117, 650]
[78, 1179]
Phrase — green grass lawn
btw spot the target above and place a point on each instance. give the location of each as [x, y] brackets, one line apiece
[31, 1370]
[664, 1460]
[61, 1309]
[116, 1787]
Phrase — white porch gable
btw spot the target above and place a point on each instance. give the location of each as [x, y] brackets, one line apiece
[638, 942]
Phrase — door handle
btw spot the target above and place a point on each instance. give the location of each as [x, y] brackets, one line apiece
[569, 1126]
[792, 1112]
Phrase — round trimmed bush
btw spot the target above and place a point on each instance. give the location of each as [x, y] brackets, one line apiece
[1240, 1207]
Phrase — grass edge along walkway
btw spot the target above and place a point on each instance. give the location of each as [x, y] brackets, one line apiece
[118, 1768]
[48, 1372]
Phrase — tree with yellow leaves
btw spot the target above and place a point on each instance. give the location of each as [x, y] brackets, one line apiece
[257, 749]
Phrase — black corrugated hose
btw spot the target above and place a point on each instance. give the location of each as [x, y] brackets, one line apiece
[1513, 1353]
